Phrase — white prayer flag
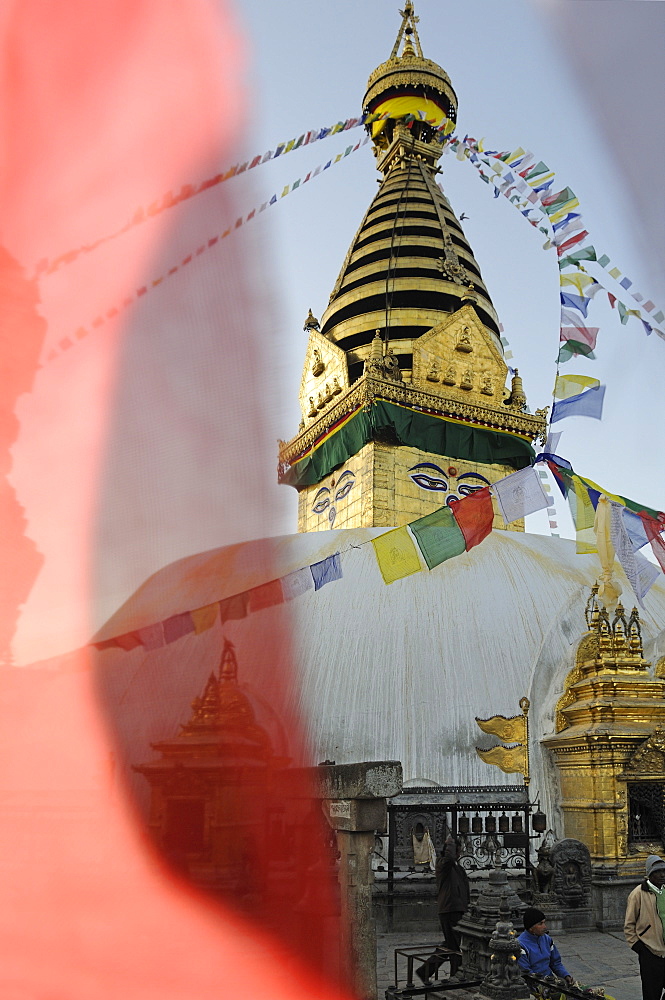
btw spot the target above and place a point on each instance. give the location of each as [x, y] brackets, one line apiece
[520, 494]
[639, 571]
[296, 583]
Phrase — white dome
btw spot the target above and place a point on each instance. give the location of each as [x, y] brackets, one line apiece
[392, 672]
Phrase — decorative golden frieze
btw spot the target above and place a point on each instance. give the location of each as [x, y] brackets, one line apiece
[367, 389]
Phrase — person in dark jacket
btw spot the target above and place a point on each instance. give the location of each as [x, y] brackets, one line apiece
[644, 927]
[452, 885]
[540, 956]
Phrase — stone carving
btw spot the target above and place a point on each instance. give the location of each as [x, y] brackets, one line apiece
[572, 873]
[467, 380]
[450, 376]
[496, 901]
[449, 265]
[504, 980]
[336, 387]
[464, 342]
[320, 402]
[487, 385]
[312, 407]
[434, 374]
[318, 367]
[544, 870]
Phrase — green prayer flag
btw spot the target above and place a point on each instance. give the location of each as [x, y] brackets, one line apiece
[603, 260]
[572, 348]
[438, 536]
[586, 253]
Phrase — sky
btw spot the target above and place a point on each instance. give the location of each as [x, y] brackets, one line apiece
[515, 68]
[192, 454]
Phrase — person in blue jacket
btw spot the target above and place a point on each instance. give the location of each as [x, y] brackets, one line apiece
[540, 956]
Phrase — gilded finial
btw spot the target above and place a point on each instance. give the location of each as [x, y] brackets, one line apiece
[311, 323]
[408, 28]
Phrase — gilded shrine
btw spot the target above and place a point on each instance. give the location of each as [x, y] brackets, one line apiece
[609, 744]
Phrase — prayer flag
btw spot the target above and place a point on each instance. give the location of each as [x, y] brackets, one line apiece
[570, 243]
[562, 223]
[584, 513]
[177, 626]
[578, 280]
[510, 759]
[653, 529]
[474, 515]
[566, 386]
[267, 595]
[396, 554]
[586, 253]
[128, 641]
[586, 404]
[205, 618]
[640, 576]
[326, 571]
[438, 536]
[552, 442]
[234, 608]
[580, 302]
[519, 494]
[152, 636]
[296, 583]
[560, 198]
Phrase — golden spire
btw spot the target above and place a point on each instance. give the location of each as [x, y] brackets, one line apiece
[407, 28]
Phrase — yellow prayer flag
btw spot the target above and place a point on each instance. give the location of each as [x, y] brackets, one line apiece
[584, 516]
[578, 280]
[571, 385]
[515, 155]
[396, 554]
[512, 760]
[563, 210]
[204, 618]
[511, 730]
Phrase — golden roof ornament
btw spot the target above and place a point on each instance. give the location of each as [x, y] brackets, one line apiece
[311, 323]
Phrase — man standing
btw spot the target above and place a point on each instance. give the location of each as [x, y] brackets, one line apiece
[643, 927]
[452, 885]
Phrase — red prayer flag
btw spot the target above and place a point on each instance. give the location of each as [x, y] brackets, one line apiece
[653, 531]
[265, 596]
[474, 516]
[565, 247]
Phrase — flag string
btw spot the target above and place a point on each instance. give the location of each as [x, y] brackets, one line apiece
[400, 552]
[66, 343]
[529, 189]
[187, 191]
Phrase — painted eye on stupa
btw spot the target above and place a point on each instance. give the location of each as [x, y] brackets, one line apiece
[473, 482]
[345, 484]
[428, 476]
[321, 500]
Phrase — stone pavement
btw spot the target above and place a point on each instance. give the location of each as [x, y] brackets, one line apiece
[594, 959]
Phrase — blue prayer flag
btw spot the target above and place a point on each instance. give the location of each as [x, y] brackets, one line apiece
[566, 220]
[586, 404]
[326, 571]
[575, 302]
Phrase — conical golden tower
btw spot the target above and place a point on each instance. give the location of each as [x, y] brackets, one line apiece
[403, 398]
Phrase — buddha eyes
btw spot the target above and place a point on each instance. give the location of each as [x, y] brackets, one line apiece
[321, 501]
[430, 482]
[466, 489]
[344, 490]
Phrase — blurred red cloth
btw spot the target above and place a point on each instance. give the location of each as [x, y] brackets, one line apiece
[105, 107]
